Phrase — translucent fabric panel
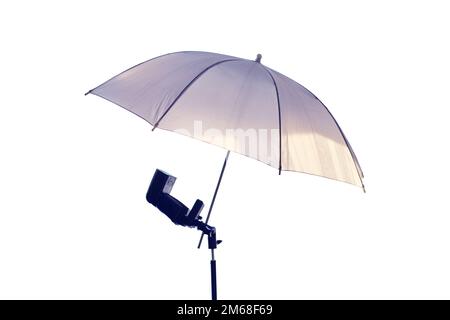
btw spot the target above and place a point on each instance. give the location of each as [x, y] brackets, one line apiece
[233, 105]
[149, 88]
[311, 140]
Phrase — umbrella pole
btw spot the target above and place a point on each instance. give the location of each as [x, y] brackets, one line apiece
[214, 196]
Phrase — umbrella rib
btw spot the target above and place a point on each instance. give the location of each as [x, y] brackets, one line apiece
[352, 154]
[187, 87]
[350, 149]
[279, 113]
[137, 65]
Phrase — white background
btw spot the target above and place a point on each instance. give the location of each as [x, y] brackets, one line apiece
[74, 170]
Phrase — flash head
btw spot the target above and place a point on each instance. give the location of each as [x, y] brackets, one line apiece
[158, 194]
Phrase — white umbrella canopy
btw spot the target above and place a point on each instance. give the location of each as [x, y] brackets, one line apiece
[240, 105]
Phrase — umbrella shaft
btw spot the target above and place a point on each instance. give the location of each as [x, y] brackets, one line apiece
[214, 197]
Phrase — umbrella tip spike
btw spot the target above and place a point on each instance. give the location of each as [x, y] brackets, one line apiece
[88, 92]
[258, 58]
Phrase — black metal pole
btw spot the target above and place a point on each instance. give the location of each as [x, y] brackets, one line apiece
[212, 244]
[213, 277]
[214, 197]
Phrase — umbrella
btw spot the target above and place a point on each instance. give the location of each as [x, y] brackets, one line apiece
[240, 105]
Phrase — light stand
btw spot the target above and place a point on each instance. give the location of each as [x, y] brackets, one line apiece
[212, 244]
[158, 194]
